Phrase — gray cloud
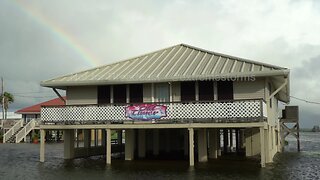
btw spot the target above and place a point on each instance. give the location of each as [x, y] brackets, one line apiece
[283, 33]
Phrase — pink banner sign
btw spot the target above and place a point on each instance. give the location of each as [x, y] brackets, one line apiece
[146, 111]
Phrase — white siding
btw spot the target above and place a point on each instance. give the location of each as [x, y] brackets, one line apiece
[81, 95]
[249, 89]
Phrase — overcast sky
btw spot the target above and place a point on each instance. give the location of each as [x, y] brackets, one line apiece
[43, 40]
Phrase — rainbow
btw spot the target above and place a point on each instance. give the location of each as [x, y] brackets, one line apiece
[58, 32]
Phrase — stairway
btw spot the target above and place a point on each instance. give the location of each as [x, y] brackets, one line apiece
[12, 139]
[13, 131]
[19, 131]
[22, 133]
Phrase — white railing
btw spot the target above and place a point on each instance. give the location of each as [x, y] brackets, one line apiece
[25, 130]
[240, 110]
[12, 130]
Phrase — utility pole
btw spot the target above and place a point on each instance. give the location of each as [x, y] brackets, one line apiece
[2, 102]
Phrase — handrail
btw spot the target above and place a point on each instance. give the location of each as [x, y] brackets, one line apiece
[26, 129]
[12, 130]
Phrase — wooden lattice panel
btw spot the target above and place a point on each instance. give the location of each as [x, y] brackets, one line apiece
[175, 111]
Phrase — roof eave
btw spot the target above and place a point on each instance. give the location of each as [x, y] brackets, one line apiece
[63, 85]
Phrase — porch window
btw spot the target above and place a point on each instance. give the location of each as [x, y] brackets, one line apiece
[225, 90]
[119, 94]
[206, 91]
[103, 94]
[188, 91]
[136, 93]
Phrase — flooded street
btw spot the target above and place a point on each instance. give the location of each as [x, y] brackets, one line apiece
[21, 161]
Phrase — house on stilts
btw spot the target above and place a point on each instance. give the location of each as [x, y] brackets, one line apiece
[180, 100]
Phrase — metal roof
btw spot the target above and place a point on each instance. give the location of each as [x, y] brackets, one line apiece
[177, 63]
[35, 109]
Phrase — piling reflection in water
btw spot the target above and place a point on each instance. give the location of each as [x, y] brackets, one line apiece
[21, 161]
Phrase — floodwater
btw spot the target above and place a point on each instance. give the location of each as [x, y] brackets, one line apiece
[21, 161]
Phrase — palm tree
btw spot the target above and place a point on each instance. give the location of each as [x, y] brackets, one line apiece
[8, 99]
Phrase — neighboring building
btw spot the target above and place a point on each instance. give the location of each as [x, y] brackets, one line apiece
[33, 112]
[12, 118]
[24, 127]
[11, 115]
[165, 99]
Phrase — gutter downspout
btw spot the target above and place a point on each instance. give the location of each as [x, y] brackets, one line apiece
[58, 94]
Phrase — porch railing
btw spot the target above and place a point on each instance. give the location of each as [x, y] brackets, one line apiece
[208, 111]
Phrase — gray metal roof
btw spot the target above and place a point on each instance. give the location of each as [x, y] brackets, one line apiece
[177, 63]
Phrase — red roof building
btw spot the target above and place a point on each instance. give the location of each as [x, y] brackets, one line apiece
[32, 112]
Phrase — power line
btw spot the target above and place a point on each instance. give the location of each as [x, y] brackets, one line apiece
[306, 101]
[34, 96]
[30, 92]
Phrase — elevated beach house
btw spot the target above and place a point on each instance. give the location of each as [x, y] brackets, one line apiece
[181, 101]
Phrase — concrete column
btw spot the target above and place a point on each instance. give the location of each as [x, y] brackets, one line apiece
[119, 137]
[156, 142]
[262, 144]
[68, 144]
[129, 146]
[42, 144]
[108, 149]
[213, 144]
[202, 145]
[142, 143]
[191, 146]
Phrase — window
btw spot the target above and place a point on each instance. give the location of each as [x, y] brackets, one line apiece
[188, 91]
[225, 90]
[206, 91]
[119, 94]
[136, 93]
[103, 94]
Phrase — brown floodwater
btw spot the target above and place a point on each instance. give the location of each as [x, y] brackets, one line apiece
[21, 161]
